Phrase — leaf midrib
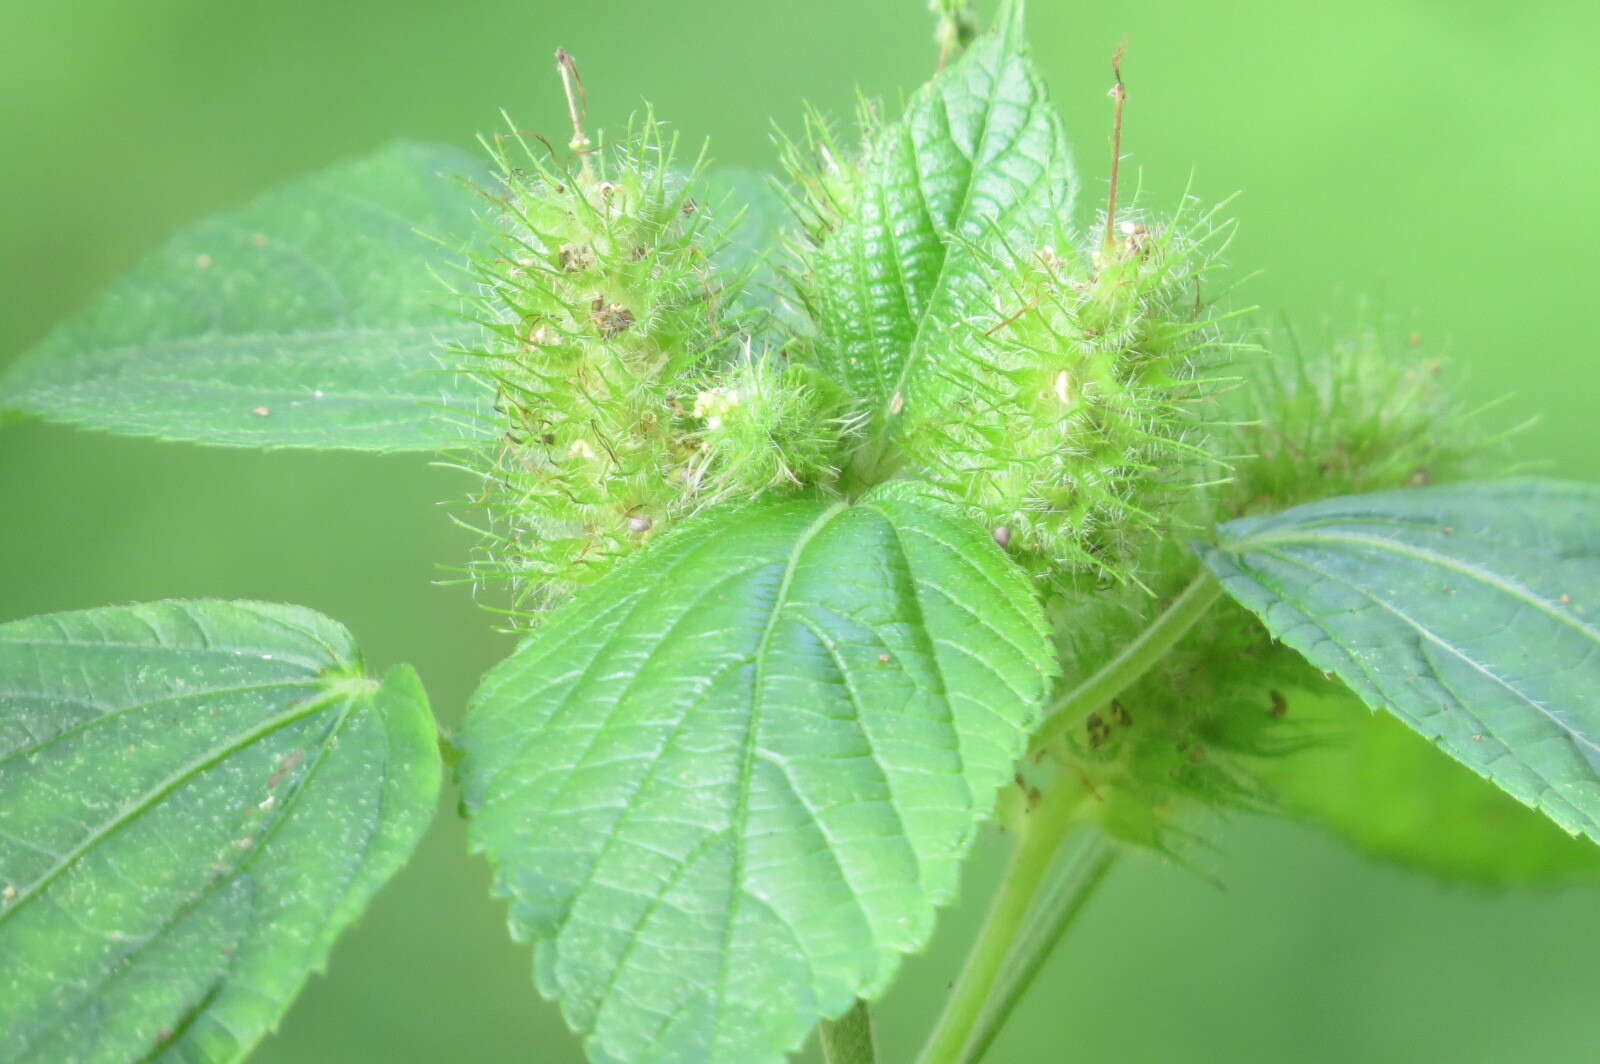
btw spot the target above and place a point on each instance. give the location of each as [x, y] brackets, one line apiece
[1375, 693]
[446, 323]
[1431, 636]
[297, 789]
[1486, 577]
[108, 715]
[146, 801]
[915, 349]
[741, 812]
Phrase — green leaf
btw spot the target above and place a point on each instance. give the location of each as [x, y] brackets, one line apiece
[753, 196]
[1396, 795]
[753, 243]
[726, 786]
[1468, 611]
[316, 317]
[195, 799]
[978, 159]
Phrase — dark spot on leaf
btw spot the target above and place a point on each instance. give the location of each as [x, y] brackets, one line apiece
[286, 764]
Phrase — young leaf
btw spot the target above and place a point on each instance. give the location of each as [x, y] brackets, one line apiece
[1470, 611]
[727, 785]
[979, 156]
[195, 799]
[1394, 794]
[314, 317]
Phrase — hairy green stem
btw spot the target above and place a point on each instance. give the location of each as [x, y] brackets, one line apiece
[1019, 931]
[1132, 662]
[1079, 875]
[848, 1040]
[1046, 825]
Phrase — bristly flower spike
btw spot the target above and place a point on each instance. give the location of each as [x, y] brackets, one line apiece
[605, 320]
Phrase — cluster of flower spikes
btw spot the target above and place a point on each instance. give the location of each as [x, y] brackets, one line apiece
[1363, 410]
[1357, 413]
[1082, 405]
[1101, 413]
[628, 393]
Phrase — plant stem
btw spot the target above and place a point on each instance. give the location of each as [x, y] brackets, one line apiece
[1011, 947]
[848, 1040]
[1108, 681]
[1052, 917]
[1036, 849]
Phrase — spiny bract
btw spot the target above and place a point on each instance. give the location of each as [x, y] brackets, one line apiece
[1362, 414]
[1082, 402]
[623, 372]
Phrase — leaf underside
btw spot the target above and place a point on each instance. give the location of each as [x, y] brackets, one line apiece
[1394, 794]
[978, 159]
[195, 799]
[318, 316]
[1471, 612]
[726, 787]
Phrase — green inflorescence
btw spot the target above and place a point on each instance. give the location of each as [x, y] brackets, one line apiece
[1363, 413]
[766, 425]
[1082, 408]
[1073, 411]
[1100, 409]
[630, 394]
[1356, 414]
[1193, 730]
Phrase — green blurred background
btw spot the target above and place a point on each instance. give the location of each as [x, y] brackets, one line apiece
[1438, 155]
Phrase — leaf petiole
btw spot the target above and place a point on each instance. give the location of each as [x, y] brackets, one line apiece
[1037, 844]
[1020, 930]
[1077, 878]
[1134, 660]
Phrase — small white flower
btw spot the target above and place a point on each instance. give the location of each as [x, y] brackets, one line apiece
[714, 404]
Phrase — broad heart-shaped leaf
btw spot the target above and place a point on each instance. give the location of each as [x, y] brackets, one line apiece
[1394, 794]
[195, 799]
[316, 317]
[1469, 611]
[978, 159]
[726, 786]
